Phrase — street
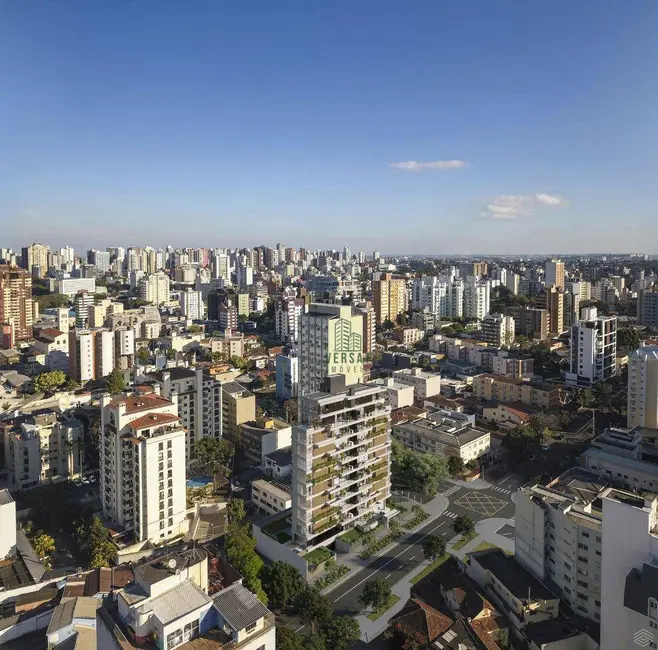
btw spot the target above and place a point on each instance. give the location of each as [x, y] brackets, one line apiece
[403, 557]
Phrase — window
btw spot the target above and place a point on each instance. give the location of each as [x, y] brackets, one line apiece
[583, 546]
[250, 628]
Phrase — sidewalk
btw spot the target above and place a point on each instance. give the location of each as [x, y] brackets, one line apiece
[486, 532]
[434, 509]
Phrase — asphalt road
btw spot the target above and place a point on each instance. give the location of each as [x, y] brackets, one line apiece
[407, 555]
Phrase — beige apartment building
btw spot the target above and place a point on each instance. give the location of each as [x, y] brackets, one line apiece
[42, 447]
[504, 389]
[552, 300]
[390, 298]
[643, 388]
[341, 462]
[16, 307]
[238, 407]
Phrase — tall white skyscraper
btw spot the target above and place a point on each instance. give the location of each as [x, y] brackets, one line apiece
[554, 272]
[244, 277]
[155, 288]
[191, 304]
[429, 292]
[477, 294]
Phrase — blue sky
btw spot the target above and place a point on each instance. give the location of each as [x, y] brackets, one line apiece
[220, 123]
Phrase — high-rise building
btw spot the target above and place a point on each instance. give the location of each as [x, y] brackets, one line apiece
[82, 358]
[330, 343]
[498, 330]
[82, 302]
[199, 402]
[341, 464]
[428, 292]
[244, 277]
[554, 272]
[104, 351]
[559, 540]
[287, 313]
[367, 312]
[287, 375]
[477, 296]
[647, 307]
[36, 259]
[155, 288]
[142, 466]
[642, 402]
[238, 406]
[473, 269]
[390, 297]
[593, 350]
[100, 259]
[220, 267]
[16, 307]
[191, 304]
[552, 299]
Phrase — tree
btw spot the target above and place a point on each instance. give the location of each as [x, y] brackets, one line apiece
[287, 639]
[417, 471]
[94, 538]
[314, 642]
[52, 301]
[241, 553]
[49, 381]
[434, 547]
[314, 609]
[71, 384]
[455, 465]
[463, 525]
[239, 362]
[281, 582]
[235, 511]
[522, 341]
[143, 355]
[116, 382]
[341, 632]
[375, 594]
[195, 329]
[213, 452]
[628, 338]
[43, 545]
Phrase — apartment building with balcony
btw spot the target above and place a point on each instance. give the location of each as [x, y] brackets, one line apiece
[559, 537]
[264, 436]
[42, 447]
[593, 350]
[142, 465]
[496, 388]
[199, 402]
[341, 461]
[425, 384]
[643, 387]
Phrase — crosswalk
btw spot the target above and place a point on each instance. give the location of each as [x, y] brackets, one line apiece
[451, 490]
[450, 515]
[500, 489]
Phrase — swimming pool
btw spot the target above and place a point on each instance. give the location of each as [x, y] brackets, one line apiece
[198, 481]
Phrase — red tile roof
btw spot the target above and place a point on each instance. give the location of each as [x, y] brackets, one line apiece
[418, 617]
[50, 331]
[152, 420]
[136, 403]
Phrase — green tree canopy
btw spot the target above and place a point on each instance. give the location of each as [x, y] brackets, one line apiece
[417, 471]
[314, 609]
[52, 301]
[375, 594]
[287, 639]
[463, 525]
[116, 382]
[341, 632]
[94, 538]
[455, 465]
[241, 553]
[434, 547]
[143, 355]
[214, 452]
[628, 338]
[43, 545]
[49, 381]
[281, 582]
[235, 511]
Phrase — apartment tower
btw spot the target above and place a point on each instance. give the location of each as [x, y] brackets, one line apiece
[643, 388]
[16, 307]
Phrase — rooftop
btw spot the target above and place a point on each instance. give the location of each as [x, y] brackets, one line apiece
[239, 607]
[5, 497]
[152, 420]
[641, 584]
[144, 402]
[150, 573]
[281, 457]
[74, 608]
[175, 374]
[175, 603]
[520, 582]
[443, 433]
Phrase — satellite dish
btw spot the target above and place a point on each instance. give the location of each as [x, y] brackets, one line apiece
[172, 563]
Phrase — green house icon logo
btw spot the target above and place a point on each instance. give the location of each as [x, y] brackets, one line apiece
[345, 339]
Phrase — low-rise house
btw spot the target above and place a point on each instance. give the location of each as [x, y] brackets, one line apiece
[54, 345]
[264, 436]
[272, 496]
[509, 416]
[73, 624]
[512, 588]
[400, 395]
[494, 388]
[407, 335]
[445, 433]
[425, 384]
[278, 464]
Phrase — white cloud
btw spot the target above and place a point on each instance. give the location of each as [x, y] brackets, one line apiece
[415, 166]
[515, 206]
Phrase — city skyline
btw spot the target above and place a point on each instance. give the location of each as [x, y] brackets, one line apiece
[420, 128]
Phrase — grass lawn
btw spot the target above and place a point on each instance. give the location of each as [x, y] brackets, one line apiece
[429, 568]
[318, 555]
[351, 536]
[392, 599]
[277, 530]
[464, 540]
[484, 546]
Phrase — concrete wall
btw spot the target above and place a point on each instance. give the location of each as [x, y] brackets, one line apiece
[26, 626]
[274, 551]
